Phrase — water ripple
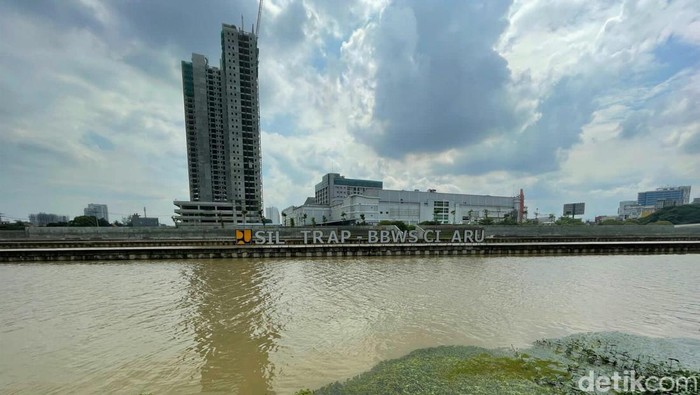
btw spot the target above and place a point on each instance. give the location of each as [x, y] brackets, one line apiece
[256, 326]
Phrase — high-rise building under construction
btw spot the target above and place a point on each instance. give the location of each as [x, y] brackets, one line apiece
[222, 126]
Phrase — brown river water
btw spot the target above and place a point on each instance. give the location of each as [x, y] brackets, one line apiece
[276, 326]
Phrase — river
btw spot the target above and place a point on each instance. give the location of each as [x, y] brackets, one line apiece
[275, 325]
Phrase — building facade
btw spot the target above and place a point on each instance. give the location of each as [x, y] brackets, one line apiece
[665, 197]
[138, 221]
[97, 210]
[272, 214]
[190, 213]
[334, 188]
[629, 209]
[374, 204]
[222, 125]
[43, 219]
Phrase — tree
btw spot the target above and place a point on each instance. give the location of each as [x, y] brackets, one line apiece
[18, 225]
[343, 215]
[324, 219]
[262, 217]
[486, 221]
[362, 217]
[486, 213]
[85, 221]
[569, 221]
[284, 216]
[470, 214]
[304, 218]
[454, 216]
[509, 219]
[313, 221]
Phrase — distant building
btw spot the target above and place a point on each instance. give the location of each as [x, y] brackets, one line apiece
[546, 219]
[97, 210]
[273, 214]
[203, 213]
[600, 218]
[665, 197]
[334, 188]
[43, 219]
[696, 201]
[629, 209]
[357, 201]
[222, 128]
[142, 222]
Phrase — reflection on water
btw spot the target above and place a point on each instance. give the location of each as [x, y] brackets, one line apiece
[257, 326]
[232, 327]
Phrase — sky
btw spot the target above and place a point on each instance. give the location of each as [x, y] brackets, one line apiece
[572, 101]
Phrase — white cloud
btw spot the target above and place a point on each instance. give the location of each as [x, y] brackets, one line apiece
[601, 98]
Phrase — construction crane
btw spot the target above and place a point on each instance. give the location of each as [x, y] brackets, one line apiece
[257, 25]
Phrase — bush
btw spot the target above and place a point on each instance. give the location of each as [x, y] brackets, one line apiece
[660, 223]
[677, 215]
[399, 224]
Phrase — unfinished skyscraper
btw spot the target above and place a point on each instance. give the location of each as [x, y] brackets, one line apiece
[222, 124]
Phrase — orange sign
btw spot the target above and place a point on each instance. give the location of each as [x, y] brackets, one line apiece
[244, 236]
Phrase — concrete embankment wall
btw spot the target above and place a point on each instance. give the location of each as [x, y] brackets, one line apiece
[186, 232]
[114, 233]
[591, 230]
[348, 250]
[78, 244]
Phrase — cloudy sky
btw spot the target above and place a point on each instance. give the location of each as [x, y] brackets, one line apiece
[579, 100]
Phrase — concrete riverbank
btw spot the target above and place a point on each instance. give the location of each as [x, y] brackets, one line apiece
[89, 244]
[346, 250]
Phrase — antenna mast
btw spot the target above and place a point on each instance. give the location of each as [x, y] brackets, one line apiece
[257, 25]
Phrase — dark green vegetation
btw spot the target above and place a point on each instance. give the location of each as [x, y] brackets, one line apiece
[399, 224]
[677, 215]
[18, 225]
[568, 221]
[87, 220]
[549, 367]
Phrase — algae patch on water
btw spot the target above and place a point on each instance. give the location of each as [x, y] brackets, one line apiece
[551, 366]
[455, 370]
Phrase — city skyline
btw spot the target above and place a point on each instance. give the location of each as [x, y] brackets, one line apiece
[585, 102]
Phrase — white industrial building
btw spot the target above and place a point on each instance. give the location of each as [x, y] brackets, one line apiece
[375, 204]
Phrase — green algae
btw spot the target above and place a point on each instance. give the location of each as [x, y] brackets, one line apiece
[455, 370]
[551, 366]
